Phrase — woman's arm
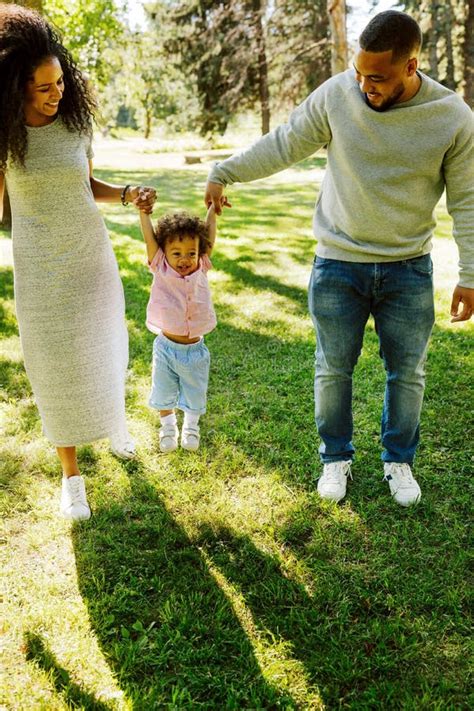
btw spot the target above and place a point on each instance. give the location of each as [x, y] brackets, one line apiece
[141, 196]
[211, 223]
[148, 235]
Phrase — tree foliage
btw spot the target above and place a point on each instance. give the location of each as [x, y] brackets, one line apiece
[92, 30]
[214, 44]
[243, 54]
[448, 52]
[299, 47]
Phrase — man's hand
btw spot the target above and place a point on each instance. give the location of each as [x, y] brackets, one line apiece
[214, 196]
[462, 295]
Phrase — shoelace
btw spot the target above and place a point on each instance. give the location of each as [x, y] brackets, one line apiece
[401, 472]
[75, 490]
[335, 471]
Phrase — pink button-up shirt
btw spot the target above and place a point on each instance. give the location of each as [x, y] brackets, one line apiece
[180, 305]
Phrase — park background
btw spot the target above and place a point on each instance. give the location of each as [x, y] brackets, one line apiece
[219, 580]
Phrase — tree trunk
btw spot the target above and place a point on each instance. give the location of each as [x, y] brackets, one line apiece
[337, 23]
[468, 55]
[431, 41]
[264, 94]
[148, 120]
[449, 81]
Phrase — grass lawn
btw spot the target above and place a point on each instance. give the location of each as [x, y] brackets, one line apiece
[217, 579]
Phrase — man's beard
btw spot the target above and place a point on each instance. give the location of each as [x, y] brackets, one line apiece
[387, 103]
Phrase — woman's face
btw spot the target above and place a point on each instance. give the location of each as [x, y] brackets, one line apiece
[44, 92]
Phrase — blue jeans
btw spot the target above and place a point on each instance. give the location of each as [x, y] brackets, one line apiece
[399, 295]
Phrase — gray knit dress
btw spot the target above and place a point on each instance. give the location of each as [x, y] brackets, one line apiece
[69, 297]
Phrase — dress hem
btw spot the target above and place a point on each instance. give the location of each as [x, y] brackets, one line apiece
[83, 441]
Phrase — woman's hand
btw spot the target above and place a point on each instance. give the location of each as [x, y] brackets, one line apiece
[143, 197]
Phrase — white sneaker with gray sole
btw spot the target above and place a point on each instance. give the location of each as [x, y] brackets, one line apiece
[168, 438]
[74, 504]
[403, 485]
[190, 438]
[332, 484]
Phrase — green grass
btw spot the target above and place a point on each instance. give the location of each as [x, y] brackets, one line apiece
[218, 580]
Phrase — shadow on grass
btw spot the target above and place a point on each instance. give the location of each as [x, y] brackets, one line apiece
[364, 638]
[72, 694]
[165, 626]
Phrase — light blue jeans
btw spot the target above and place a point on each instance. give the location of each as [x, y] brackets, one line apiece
[399, 295]
[180, 375]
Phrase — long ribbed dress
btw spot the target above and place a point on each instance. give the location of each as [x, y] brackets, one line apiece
[69, 297]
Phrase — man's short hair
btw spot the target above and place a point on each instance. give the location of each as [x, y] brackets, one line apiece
[392, 30]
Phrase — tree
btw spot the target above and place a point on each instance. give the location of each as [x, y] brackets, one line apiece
[259, 35]
[299, 49]
[337, 23]
[91, 29]
[33, 4]
[153, 90]
[448, 41]
[468, 55]
[218, 45]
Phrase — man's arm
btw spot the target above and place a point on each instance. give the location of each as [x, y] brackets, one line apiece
[211, 223]
[306, 131]
[458, 171]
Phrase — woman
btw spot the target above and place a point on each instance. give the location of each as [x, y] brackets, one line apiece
[69, 297]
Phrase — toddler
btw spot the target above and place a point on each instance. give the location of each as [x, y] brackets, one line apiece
[180, 311]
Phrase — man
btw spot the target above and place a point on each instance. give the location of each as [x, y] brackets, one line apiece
[395, 139]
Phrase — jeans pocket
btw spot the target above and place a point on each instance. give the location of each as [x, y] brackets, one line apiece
[322, 261]
[421, 265]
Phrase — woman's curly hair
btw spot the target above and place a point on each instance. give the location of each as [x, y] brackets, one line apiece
[180, 225]
[26, 41]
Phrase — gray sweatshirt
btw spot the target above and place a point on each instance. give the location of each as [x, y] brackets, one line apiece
[385, 170]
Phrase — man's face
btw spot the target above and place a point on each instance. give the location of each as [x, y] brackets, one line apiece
[382, 82]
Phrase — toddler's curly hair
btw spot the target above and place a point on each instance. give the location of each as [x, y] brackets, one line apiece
[180, 225]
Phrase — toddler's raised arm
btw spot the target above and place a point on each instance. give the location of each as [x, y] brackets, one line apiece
[148, 235]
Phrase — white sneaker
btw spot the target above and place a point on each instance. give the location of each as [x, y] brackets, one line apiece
[190, 438]
[73, 499]
[403, 485]
[168, 438]
[123, 446]
[332, 483]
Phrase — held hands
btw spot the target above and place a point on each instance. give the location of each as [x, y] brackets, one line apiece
[142, 197]
[462, 295]
[214, 196]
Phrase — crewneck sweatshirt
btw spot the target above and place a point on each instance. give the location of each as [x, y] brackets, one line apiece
[385, 170]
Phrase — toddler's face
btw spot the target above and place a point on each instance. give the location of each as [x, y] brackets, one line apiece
[183, 254]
